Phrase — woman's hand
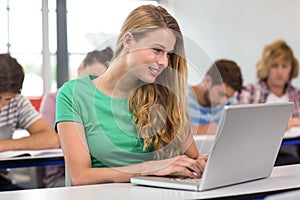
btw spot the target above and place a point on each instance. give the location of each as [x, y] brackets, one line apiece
[203, 159]
[293, 122]
[182, 165]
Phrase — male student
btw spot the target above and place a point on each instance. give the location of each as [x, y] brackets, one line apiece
[16, 112]
[275, 71]
[206, 99]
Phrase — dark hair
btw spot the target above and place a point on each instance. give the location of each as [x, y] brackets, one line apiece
[228, 72]
[104, 56]
[11, 74]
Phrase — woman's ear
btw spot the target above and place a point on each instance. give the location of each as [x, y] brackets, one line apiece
[128, 40]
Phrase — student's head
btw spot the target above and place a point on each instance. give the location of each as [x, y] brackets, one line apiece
[95, 62]
[277, 64]
[223, 79]
[151, 38]
[11, 78]
[155, 24]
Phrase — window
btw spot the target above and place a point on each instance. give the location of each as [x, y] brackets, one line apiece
[89, 24]
[21, 36]
[94, 24]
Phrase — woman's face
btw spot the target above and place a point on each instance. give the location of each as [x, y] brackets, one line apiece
[279, 73]
[149, 56]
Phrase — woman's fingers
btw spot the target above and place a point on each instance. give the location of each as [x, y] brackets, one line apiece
[182, 165]
[190, 167]
[203, 159]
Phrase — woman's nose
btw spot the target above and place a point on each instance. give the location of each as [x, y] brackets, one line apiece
[280, 68]
[163, 60]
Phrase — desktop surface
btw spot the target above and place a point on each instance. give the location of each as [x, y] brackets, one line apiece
[32, 161]
[283, 178]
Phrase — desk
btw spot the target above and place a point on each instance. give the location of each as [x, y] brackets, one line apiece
[34, 175]
[292, 141]
[205, 142]
[55, 158]
[282, 178]
[29, 161]
[291, 137]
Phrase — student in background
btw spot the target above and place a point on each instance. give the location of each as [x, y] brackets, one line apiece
[95, 63]
[206, 99]
[16, 112]
[275, 70]
[132, 120]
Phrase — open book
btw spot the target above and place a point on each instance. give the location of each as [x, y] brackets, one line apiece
[42, 152]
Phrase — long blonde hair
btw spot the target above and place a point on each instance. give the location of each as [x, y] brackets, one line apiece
[160, 109]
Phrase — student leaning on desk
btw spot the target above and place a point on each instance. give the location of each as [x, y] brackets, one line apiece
[275, 71]
[207, 98]
[17, 112]
[133, 119]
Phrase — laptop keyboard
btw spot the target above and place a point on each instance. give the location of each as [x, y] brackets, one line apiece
[186, 179]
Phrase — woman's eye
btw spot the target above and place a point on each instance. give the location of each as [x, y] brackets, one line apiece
[285, 65]
[157, 50]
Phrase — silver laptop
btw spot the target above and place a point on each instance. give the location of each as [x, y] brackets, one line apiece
[204, 143]
[245, 148]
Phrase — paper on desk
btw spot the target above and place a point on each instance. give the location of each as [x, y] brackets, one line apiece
[19, 153]
[292, 133]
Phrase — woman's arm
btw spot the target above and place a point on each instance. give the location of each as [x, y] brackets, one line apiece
[293, 122]
[192, 152]
[78, 161]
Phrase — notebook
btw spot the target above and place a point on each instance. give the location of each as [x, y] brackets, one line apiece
[245, 148]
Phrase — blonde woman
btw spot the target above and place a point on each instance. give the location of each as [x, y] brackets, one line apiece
[132, 120]
[275, 70]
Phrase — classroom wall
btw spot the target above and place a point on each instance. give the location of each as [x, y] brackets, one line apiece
[234, 29]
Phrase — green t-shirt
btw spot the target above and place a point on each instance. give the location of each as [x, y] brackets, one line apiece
[110, 133]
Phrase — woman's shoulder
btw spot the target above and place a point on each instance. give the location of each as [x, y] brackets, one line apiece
[78, 82]
[79, 86]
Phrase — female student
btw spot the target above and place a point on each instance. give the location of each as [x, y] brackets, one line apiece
[275, 71]
[132, 120]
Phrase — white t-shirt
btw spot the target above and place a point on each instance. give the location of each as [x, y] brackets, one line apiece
[272, 98]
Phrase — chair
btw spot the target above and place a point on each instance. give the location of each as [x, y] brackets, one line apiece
[36, 102]
[67, 178]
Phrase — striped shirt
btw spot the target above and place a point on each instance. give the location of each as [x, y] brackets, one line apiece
[200, 115]
[18, 113]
